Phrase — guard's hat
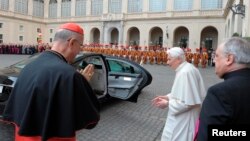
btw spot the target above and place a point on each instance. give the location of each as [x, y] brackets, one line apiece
[72, 27]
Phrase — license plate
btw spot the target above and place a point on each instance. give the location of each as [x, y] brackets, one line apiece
[1, 89]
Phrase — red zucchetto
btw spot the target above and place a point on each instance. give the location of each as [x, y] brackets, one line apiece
[72, 27]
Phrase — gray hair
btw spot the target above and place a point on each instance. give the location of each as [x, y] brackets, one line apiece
[240, 48]
[176, 52]
[64, 34]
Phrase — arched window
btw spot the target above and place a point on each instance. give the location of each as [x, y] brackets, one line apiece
[4, 4]
[157, 5]
[81, 7]
[183, 5]
[66, 8]
[52, 8]
[38, 8]
[96, 7]
[211, 4]
[135, 6]
[21, 6]
[115, 6]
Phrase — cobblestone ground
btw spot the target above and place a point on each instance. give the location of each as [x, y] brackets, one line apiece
[126, 121]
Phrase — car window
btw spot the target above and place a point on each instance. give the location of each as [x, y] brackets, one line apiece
[123, 67]
[96, 61]
[93, 60]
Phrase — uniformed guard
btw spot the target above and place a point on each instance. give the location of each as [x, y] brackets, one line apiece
[196, 57]
[204, 58]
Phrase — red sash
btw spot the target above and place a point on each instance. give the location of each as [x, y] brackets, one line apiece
[38, 138]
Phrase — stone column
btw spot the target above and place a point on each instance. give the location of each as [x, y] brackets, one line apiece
[46, 8]
[88, 7]
[59, 8]
[73, 8]
[102, 33]
[170, 5]
[30, 7]
[11, 5]
[121, 30]
[196, 7]
[125, 6]
[105, 6]
[145, 7]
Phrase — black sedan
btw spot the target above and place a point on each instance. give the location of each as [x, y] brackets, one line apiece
[113, 77]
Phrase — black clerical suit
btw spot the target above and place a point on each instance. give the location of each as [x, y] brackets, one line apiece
[226, 103]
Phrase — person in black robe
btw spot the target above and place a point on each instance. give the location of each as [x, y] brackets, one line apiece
[227, 103]
[51, 100]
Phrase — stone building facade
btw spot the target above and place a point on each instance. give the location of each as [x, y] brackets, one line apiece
[166, 23]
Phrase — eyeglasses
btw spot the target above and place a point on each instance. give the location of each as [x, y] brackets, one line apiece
[81, 45]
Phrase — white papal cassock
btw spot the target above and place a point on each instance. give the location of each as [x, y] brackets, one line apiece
[185, 99]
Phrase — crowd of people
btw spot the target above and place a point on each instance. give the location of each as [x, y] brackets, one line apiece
[27, 49]
[51, 101]
[151, 55]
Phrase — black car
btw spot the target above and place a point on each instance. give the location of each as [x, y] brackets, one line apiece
[113, 77]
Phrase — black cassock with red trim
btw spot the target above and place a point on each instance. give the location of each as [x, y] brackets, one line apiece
[51, 99]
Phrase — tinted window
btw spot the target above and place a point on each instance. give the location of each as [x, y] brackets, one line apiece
[96, 61]
[123, 67]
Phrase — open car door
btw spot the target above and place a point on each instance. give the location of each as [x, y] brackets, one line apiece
[98, 81]
[126, 78]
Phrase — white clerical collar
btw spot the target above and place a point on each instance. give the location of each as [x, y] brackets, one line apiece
[180, 66]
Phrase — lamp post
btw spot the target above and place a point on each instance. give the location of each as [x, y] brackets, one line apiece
[167, 32]
[238, 9]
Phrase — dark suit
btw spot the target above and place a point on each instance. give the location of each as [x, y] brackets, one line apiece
[226, 102]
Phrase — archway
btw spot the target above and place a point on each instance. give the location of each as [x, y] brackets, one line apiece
[209, 38]
[95, 36]
[181, 35]
[114, 36]
[155, 36]
[133, 36]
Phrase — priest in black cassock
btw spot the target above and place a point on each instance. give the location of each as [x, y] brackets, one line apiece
[226, 106]
[51, 100]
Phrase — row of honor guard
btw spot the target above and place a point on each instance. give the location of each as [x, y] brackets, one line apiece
[152, 55]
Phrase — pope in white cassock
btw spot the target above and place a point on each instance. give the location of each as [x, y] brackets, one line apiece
[184, 101]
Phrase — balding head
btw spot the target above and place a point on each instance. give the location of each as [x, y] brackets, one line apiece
[72, 27]
[68, 30]
[68, 40]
